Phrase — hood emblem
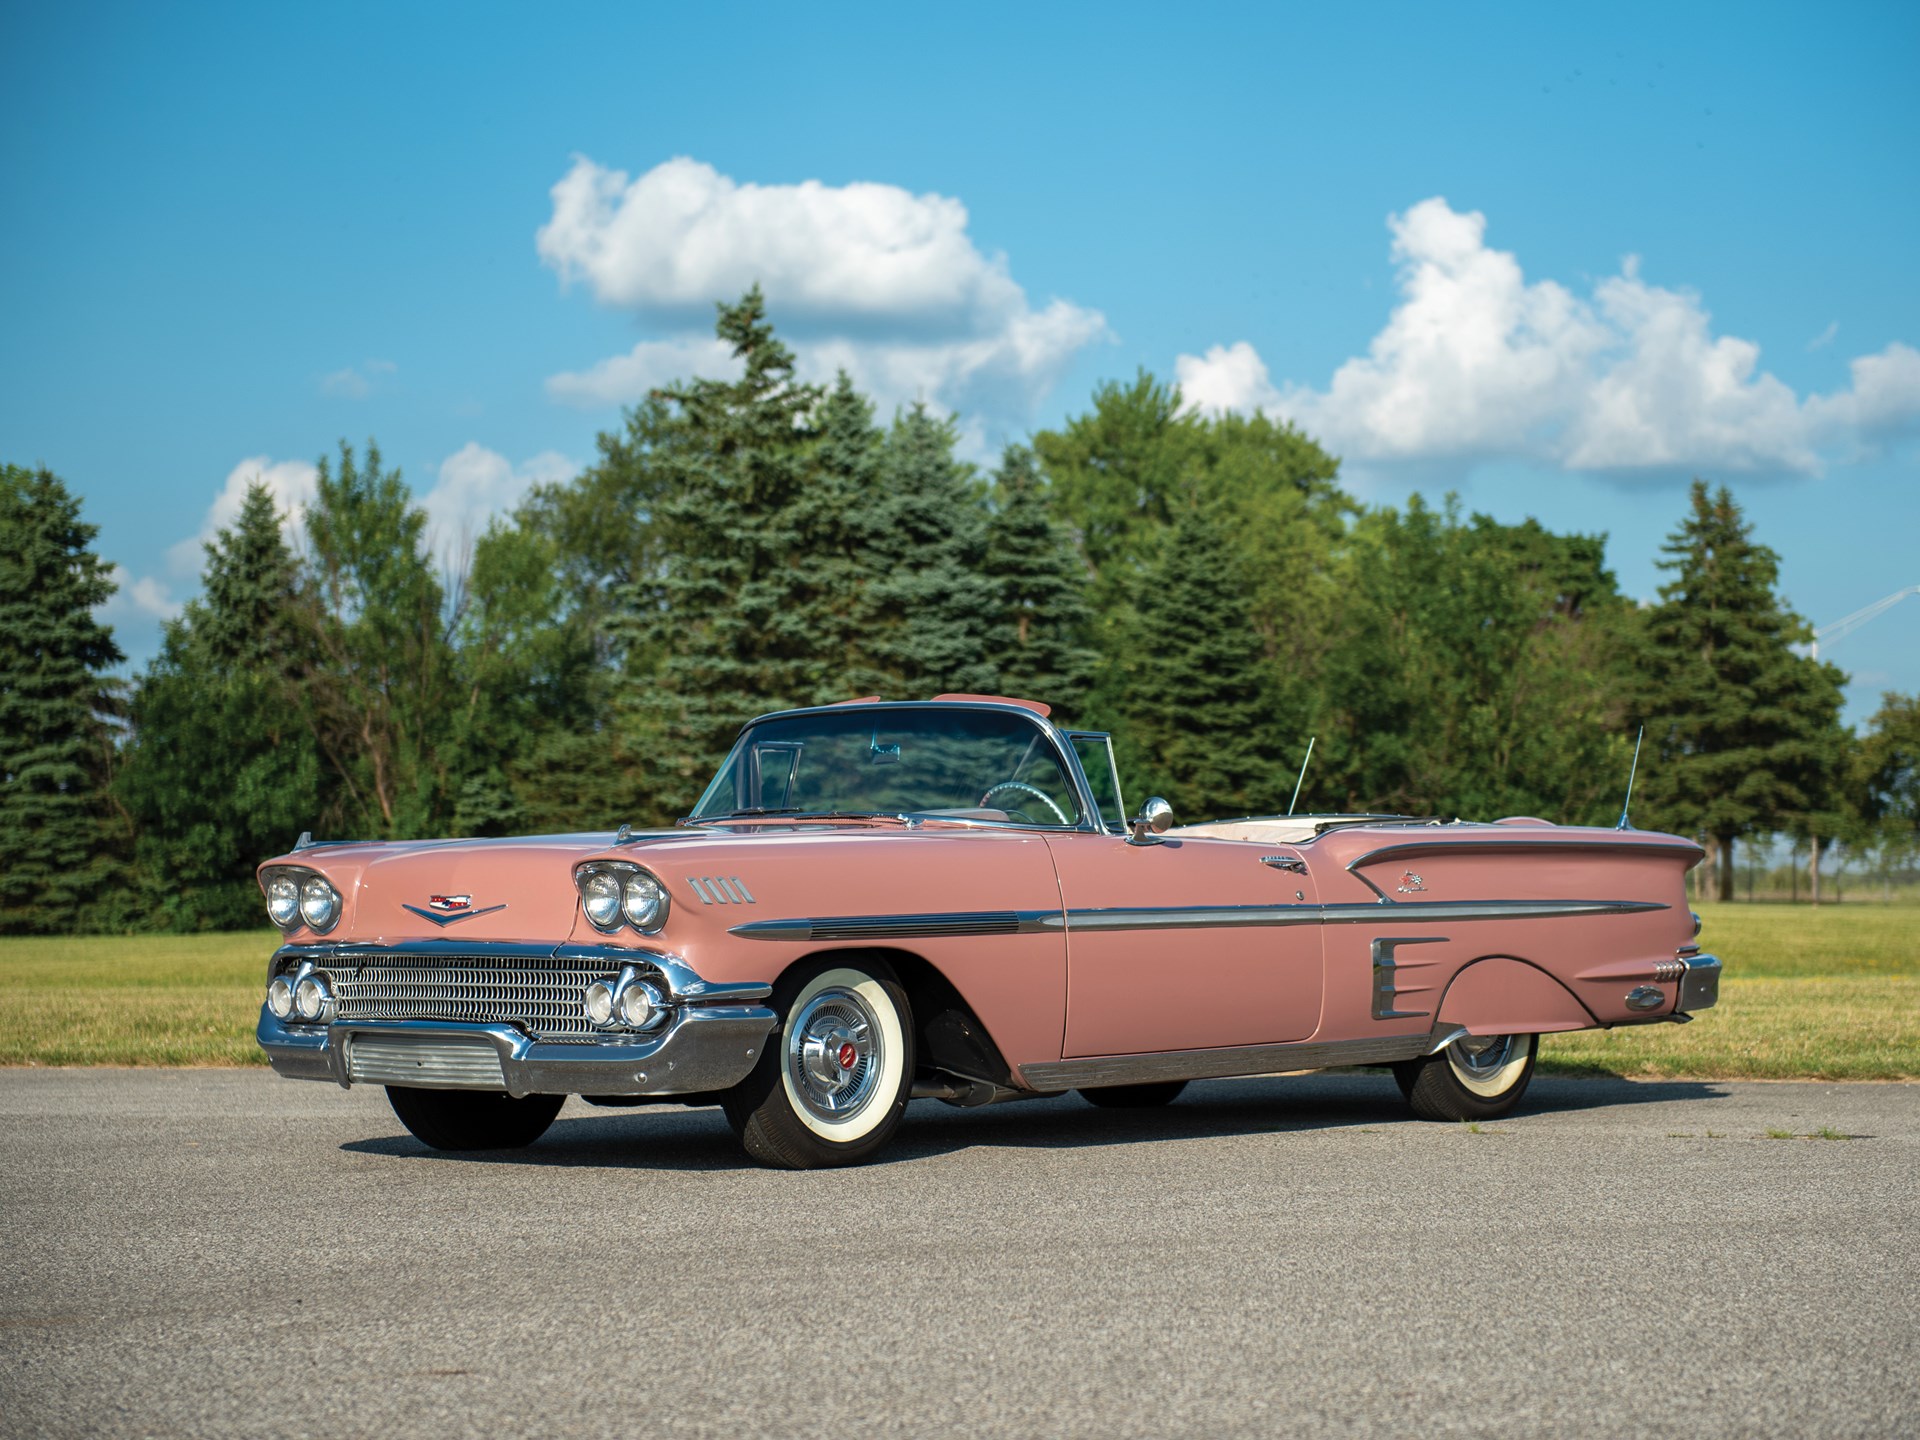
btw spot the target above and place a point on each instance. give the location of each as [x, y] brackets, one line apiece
[445, 910]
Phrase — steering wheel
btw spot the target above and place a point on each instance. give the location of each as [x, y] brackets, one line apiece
[1025, 789]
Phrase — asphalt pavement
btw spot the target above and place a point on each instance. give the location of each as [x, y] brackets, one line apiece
[213, 1253]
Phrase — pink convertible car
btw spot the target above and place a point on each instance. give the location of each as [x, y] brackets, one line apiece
[875, 902]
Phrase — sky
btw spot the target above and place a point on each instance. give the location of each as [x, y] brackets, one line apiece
[1556, 260]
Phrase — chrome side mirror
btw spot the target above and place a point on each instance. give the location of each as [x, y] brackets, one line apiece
[1155, 817]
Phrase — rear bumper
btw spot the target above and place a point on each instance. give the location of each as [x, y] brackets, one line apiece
[1700, 986]
[706, 1048]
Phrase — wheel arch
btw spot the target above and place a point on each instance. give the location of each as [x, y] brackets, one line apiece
[1504, 994]
[948, 1034]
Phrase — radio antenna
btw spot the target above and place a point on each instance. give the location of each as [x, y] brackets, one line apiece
[1626, 803]
[1303, 775]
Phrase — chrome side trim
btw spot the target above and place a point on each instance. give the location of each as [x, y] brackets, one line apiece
[1169, 917]
[901, 927]
[1073, 1074]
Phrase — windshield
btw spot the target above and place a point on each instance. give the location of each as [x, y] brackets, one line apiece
[967, 764]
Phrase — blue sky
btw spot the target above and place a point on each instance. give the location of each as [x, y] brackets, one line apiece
[1556, 261]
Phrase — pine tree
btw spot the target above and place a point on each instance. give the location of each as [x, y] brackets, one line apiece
[730, 626]
[1197, 727]
[1740, 728]
[838, 516]
[220, 771]
[929, 614]
[56, 865]
[1041, 647]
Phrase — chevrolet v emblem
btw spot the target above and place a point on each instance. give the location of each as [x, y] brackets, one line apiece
[448, 909]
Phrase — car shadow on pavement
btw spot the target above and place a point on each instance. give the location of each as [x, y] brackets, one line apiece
[667, 1137]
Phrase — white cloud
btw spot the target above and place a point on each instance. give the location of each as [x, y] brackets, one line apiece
[292, 483]
[1478, 363]
[143, 597]
[625, 379]
[475, 484]
[1825, 337]
[868, 277]
[356, 381]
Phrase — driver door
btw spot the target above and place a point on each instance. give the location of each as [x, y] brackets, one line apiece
[1188, 944]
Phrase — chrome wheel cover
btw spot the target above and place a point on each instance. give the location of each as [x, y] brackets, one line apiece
[1491, 1066]
[834, 1054]
[1481, 1057]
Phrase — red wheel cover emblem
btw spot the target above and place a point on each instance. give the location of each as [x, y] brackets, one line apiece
[848, 1055]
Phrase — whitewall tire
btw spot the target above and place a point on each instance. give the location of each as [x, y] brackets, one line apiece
[834, 1078]
[1477, 1077]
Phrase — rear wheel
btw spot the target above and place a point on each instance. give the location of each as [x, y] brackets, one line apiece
[473, 1119]
[833, 1081]
[1477, 1077]
[1134, 1097]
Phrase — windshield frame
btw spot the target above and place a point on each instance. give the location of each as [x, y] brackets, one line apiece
[1050, 734]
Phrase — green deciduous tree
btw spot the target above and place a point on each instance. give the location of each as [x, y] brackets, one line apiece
[1476, 669]
[58, 868]
[1886, 779]
[221, 771]
[380, 693]
[1741, 730]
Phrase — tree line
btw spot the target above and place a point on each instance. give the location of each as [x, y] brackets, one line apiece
[1200, 585]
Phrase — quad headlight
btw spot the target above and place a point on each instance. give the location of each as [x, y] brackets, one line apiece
[297, 896]
[626, 1002]
[311, 999]
[304, 996]
[600, 896]
[643, 900]
[283, 899]
[617, 892]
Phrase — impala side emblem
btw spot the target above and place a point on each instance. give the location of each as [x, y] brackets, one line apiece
[721, 890]
[445, 910]
[1411, 884]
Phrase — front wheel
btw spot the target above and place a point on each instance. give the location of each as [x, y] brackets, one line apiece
[832, 1082]
[1477, 1077]
[473, 1119]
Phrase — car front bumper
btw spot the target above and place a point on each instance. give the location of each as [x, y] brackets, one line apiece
[706, 1048]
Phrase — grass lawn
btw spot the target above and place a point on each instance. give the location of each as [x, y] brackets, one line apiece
[1827, 994]
[133, 1000]
[1830, 994]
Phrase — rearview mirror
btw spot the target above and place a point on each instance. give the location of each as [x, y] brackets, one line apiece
[1155, 817]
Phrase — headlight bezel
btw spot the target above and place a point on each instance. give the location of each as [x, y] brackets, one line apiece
[304, 880]
[628, 880]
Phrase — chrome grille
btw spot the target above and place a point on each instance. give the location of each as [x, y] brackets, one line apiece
[545, 997]
[437, 1062]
